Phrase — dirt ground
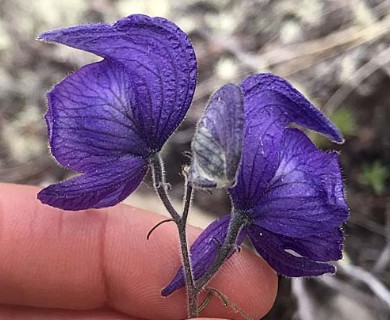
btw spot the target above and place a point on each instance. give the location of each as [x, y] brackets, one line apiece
[336, 52]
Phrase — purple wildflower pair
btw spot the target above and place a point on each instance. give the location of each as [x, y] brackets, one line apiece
[110, 118]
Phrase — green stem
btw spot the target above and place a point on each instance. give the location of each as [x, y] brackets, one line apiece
[181, 222]
[238, 221]
[160, 186]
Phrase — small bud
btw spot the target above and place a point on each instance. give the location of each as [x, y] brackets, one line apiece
[217, 143]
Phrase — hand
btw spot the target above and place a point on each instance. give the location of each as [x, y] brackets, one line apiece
[97, 264]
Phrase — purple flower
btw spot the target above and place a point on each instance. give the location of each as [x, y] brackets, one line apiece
[217, 143]
[109, 118]
[289, 196]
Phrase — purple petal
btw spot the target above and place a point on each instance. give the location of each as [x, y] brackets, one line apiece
[262, 135]
[323, 246]
[305, 196]
[160, 63]
[273, 250]
[203, 252]
[271, 104]
[104, 186]
[266, 90]
[217, 143]
[90, 117]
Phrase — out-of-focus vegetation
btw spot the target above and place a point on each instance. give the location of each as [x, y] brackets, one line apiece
[375, 176]
[344, 120]
[336, 52]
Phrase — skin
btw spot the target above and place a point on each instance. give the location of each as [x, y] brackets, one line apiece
[97, 264]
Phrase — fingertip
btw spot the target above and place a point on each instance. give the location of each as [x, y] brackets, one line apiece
[31, 313]
[84, 260]
[248, 282]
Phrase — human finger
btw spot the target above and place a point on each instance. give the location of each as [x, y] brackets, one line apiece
[31, 313]
[85, 260]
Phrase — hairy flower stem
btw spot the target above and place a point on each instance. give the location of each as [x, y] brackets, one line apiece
[160, 186]
[238, 221]
[181, 222]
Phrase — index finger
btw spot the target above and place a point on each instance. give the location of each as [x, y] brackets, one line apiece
[89, 259]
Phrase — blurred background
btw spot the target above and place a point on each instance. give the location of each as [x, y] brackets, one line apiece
[334, 51]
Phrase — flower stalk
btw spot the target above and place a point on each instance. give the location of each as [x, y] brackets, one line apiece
[237, 223]
[181, 223]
